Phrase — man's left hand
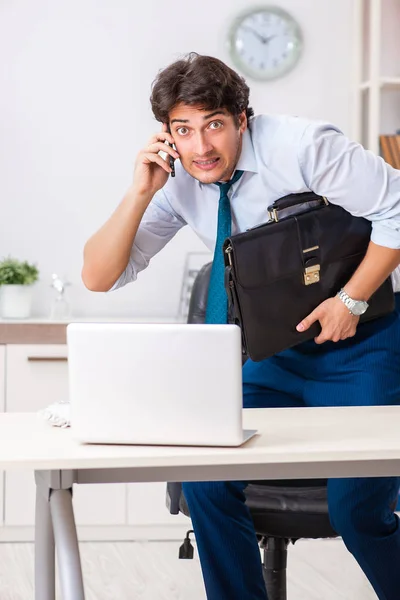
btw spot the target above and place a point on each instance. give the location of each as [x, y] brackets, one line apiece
[336, 321]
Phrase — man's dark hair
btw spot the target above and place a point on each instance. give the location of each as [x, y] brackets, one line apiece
[198, 80]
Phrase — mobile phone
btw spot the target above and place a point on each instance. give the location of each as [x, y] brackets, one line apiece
[171, 158]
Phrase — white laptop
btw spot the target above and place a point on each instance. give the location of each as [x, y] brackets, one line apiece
[168, 384]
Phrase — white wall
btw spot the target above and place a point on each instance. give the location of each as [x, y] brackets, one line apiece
[75, 80]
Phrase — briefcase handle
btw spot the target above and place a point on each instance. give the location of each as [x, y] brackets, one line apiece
[295, 204]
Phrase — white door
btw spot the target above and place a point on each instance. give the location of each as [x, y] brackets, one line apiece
[37, 375]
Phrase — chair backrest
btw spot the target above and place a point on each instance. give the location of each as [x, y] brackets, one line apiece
[198, 297]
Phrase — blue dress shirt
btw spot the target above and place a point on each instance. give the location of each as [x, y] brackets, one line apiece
[280, 155]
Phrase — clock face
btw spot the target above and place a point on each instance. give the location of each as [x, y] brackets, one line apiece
[265, 42]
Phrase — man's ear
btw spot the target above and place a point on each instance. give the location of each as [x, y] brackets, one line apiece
[242, 122]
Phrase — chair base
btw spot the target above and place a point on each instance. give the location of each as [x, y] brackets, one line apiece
[274, 566]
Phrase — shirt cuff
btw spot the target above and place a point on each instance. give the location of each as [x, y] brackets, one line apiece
[385, 235]
[127, 276]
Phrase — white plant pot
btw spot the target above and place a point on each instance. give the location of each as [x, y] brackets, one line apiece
[15, 301]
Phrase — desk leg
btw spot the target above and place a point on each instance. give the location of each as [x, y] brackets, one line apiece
[68, 557]
[44, 550]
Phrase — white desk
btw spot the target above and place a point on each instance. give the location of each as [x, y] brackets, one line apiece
[292, 443]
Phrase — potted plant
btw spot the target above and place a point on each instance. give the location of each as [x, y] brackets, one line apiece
[16, 288]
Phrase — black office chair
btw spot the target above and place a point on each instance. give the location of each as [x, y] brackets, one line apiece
[282, 511]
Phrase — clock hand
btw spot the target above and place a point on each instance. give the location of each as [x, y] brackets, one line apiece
[262, 38]
[269, 38]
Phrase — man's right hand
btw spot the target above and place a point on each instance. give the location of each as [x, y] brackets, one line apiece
[151, 170]
[107, 252]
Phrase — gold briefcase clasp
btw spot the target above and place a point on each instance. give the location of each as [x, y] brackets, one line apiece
[311, 274]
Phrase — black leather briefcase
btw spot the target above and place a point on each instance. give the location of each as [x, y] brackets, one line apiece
[277, 273]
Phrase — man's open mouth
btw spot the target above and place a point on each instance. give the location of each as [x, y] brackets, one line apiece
[206, 164]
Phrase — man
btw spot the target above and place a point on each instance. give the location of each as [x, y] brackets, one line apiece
[205, 105]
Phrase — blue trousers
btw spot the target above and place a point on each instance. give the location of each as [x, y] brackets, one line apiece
[363, 370]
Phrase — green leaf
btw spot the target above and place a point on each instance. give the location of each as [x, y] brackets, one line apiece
[15, 272]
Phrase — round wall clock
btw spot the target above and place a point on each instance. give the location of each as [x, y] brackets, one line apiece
[265, 42]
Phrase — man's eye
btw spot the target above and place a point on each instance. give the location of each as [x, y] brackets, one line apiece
[215, 125]
[182, 130]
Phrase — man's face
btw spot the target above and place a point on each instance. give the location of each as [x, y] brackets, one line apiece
[209, 142]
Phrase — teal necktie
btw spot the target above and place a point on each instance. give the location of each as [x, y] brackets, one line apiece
[217, 300]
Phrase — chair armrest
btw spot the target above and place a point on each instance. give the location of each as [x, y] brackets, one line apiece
[173, 494]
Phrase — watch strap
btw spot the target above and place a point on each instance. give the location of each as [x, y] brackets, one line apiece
[349, 302]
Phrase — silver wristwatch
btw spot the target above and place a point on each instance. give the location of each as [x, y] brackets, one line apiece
[356, 307]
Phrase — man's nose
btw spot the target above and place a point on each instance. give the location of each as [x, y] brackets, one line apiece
[202, 145]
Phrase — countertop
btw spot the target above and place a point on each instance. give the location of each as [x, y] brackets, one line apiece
[46, 331]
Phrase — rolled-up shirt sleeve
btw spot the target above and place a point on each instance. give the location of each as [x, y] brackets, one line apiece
[354, 178]
[158, 226]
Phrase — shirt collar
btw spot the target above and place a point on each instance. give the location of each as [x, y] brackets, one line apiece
[247, 159]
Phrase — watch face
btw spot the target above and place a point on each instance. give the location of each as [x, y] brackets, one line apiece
[359, 308]
[265, 42]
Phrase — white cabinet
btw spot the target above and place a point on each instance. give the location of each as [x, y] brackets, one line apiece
[37, 375]
[2, 402]
[2, 376]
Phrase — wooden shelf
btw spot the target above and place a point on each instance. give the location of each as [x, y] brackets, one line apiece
[384, 83]
[368, 40]
[390, 82]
